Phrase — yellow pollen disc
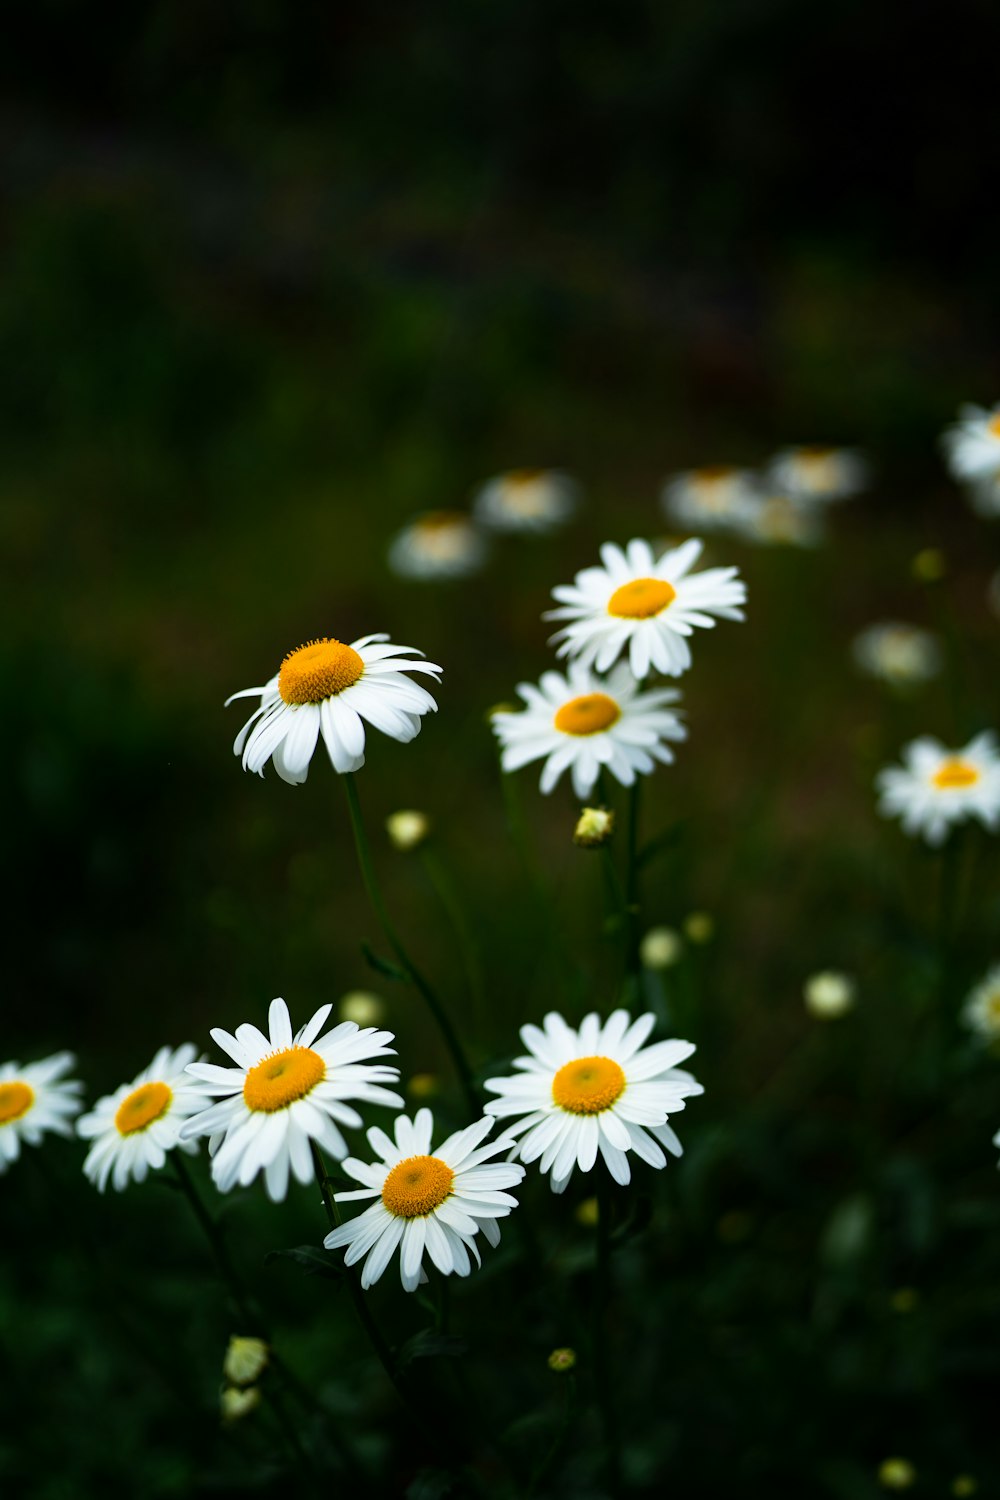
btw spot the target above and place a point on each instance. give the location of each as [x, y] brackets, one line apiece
[140, 1108]
[587, 715]
[439, 520]
[318, 670]
[282, 1078]
[417, 1186]
[588, 1085]
[995, 426]
[16, 1099]
[712, 473]
[815, 455]
[641, 598]
[524, 476]
[955, 773]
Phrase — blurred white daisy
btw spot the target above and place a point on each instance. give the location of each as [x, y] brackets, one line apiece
[643, 606]
[984, 494]
[715, 498]
[438, 544]
[133, 1129]
[326, 688]
[527, 500]
[903, 655]
[972, 444]
[981, 1012]
[593, 1089]
[583, 723]
[818, 473]
[936, 787]
[772, 519]
[284, 1092]
[35, 1099]
[829, 994]
[426, 1203]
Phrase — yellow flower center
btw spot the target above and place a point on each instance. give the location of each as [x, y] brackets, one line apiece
[587, 715]
[16, 1099]
[815, 455]
[712, 473]
[439, 520]
[140, 1108]
[588, 1085]
[282, 1078]
[318, 670]
[955, 773]
[641, 599]
[995, 426]
[524, 476]
[417, 1186]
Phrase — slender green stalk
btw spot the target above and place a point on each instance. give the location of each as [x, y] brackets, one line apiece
[227, 1271]
[603, 1375]
[632, 965]
[413, 973]
[568, 1382]
[447, 894]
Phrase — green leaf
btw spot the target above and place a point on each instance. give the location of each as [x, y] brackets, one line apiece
[430, 1345]
[311, 1261]
[384, 965]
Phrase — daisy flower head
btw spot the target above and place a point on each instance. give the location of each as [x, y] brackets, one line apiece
[818, 473]
[903, 655]
[582, 723]
[981, 1011]
[972, 444]
[593, 1089]
[326, 689]
[35, 1099]
[426, 1203]
[936, 787]
[438, 544]
[527, 500]
[773, 519]
[714, 498]
[984, 494]
[644, 606]
[285, 1091]
[133, 1129]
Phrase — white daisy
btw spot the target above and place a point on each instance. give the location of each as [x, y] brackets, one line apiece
[32, 1101]
[526, 500]
[709, 499]
[972, 444]
[435, 1203]
[984, 494]
[772, 519]
[936, 787]
[583, 723]
[644, 606]
[818, 473]
[981, 1011]
[284, 1092]
[595, 1089]
[133, 1129]
[330, 689]
[903, 655]
[438, 544]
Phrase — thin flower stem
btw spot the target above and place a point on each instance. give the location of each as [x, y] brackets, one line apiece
[227, 1271]
[561, 1433]
[602, 1356]
[447, 893]
[416, 977]
[632, 880]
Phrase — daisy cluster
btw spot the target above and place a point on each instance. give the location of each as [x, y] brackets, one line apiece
[972, 452]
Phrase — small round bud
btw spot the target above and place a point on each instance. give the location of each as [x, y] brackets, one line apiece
[562, 1360]
[929, 565]
[595, 827]
[423, 1086]
[660, 948]
[245, 1359]
[236, 1404]
[408, 828]
[361, 1007]
[829, 994]
[896, 1473]
[588, 1212]
[699, 927]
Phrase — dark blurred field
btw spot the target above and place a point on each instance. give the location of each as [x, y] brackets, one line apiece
[274, 280]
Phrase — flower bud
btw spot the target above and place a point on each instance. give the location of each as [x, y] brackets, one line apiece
[896, 1473]
[660, 948]
[361, 1007]
[595, 827]
[562, 1360]
[829, 994]
[407, 828]
[236, 1404]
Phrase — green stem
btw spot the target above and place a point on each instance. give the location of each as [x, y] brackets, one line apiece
[447, 894]
[602, 1355]
[416, 978]
[561, 1433]
[227, 1271]
[632, 878]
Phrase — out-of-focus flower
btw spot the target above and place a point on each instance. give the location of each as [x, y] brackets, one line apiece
[245, 1360]
[595, 827]
[774, 519]
[132, 1129]
[643, 606]
[829, 994]
[438, 544]
[972, 444]
[407, 828]
[903, 655]
[661, 947]
[984, 494]
[929, 565]
[896, 1473]
[964, 1485]
[709, 499]
[817, 473]
[593, 1089]
[587, 1212]
[582, 723]
[936, 787]
[328, 688]
[236, 1403]
[981, 1012]
[993, 593]
[423, 1085]
[361, 1007]
[562, 1360]
[285, 1091]
[434, 1204]
[527, 500]
[699, 927]
[33, 1100]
